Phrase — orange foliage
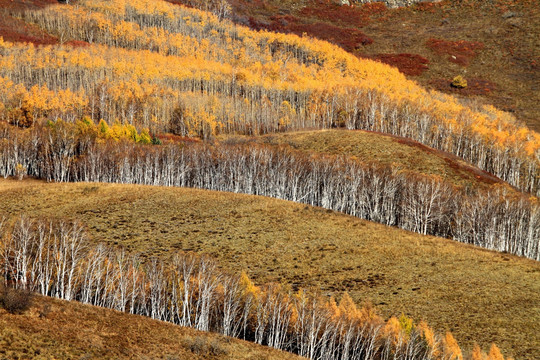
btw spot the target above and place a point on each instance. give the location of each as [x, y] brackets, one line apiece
[494, 353]
[429, 336]
[451, 347]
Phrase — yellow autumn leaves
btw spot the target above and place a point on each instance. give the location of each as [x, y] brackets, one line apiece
[145, 57]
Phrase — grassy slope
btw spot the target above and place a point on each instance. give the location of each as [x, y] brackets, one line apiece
[509, 60]
[507, 66]
[53, 329]
[369, 147]
[477, 294]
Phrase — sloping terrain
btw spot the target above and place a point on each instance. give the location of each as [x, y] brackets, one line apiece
[123, 72]
[399, 153]
[14, 29]
[493, 44]
[54, 329]
[167, 68]
[477, 294]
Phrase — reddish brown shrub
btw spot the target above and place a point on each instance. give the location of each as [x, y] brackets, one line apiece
[349, 39]
[408, 64]
[22, 36]
[171, 138]
[425, 6]
[27, 4]
[461, 52]
[374, 8]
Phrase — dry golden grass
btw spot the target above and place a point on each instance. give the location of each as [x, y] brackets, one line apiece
[370, 147]
[477, 294]
[54, 329]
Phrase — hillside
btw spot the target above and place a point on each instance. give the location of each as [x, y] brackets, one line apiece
[493, 44]
[400, 153]
[477, 294]
[97, 96]
[161, 67]
[54, 329]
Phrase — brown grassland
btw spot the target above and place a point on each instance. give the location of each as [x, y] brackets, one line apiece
[509, 59]
[399, 153]
[54, 329]
[477, 294]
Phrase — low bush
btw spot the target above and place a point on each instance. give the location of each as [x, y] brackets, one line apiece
[459, 82]
[15, 301]
[408, 64]
[461, 52]
[204, 346]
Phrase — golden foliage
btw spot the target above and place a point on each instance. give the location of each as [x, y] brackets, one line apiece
[477, 353]
[459, 82]
[368, 314]
[451, 348]
[393, 329]
[102, 130]
[429, 336]
[347, 308]
[494, 353]
[248, 286]
[146, 50]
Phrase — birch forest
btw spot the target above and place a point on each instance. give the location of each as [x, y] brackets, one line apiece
[496, 219]
[164, 67]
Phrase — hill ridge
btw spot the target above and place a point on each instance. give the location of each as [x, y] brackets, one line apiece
[191, 291]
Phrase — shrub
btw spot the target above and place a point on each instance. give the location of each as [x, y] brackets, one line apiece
[459, 82]
[409, 64]
[461, 52]
[156, 140]
[217, 349]
[201, 345]
[15, 301]
[197, 345]
[45, 311]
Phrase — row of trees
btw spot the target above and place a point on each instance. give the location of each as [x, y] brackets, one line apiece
[496, 219]
[156, 65]
[54, 258]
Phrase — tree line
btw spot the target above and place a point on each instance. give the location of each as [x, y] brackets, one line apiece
[495, 219]
[54, 258]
